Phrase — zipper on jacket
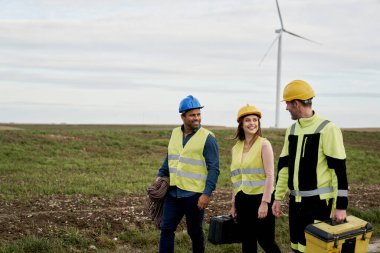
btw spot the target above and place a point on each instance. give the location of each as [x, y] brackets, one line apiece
[304, 146]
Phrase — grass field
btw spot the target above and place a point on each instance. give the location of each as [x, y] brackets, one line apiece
[81, 188]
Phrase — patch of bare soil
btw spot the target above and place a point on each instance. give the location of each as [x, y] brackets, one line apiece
[48, 216]
[9, 128]
[58, 137]
[364, 196]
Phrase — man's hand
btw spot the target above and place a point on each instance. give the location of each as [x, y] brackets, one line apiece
[203, 201]
[339, 215]
[276, 208]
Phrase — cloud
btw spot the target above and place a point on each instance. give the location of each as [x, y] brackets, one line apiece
[133, 54]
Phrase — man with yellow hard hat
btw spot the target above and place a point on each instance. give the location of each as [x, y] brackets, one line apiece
[312, 165]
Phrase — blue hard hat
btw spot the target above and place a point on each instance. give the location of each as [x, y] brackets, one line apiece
[189, 103]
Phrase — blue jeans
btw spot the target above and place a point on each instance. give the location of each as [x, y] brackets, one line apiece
[174, 210]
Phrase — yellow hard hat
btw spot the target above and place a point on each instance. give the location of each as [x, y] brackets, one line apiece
[248, 110]
[298, 89]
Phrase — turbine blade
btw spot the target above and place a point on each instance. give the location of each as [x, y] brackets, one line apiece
[270, 47]
[279, 14]
[299, 36]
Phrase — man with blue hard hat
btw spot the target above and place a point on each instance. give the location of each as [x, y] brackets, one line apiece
[192, 163]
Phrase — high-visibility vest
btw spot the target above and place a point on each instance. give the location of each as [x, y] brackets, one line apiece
[187, 166]
[248, 175]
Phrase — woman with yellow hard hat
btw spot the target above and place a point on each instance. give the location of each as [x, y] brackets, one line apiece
[252, 176]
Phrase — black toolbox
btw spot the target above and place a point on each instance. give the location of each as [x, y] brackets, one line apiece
[223, 229]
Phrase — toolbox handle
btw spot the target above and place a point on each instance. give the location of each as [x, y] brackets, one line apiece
[333, 222]
[233, 218]
[229, 216]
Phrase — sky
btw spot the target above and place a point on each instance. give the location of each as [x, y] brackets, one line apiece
[131, 62]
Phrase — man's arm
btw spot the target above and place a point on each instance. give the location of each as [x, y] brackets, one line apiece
[281, 187]
[334, 150]
[164, 170]
[211, 155]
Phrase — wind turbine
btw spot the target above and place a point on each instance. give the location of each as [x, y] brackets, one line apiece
[279, 38]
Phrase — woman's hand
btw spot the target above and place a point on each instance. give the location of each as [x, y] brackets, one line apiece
[232, 211]
[263, 210]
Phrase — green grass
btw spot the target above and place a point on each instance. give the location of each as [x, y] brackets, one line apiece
[32, 245]
[87, 161]
[363, 156]
[44, 160]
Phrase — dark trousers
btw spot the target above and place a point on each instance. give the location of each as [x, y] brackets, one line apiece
[304, 213]
[174, 210]
[253, 229]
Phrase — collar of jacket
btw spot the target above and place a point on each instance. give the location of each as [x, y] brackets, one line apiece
[305, 122]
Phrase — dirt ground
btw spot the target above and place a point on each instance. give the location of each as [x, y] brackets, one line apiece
[48, 216]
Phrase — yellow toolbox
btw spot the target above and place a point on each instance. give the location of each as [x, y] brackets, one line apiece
[352, 236]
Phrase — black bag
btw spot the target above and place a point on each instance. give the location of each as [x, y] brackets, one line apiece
[223, 229]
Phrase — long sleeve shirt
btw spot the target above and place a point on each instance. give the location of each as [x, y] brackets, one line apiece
[211, 155]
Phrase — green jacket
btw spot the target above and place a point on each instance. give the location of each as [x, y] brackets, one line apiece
[313, 162]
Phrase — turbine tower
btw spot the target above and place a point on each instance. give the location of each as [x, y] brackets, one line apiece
[279, 39]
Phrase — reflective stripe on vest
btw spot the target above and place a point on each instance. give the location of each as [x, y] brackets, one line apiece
[173, 157]
[247, 171]
[192, 161]
[187, 166]
[312, 192]
[188, 174]
[186, 160]
[318, 130]
[248, 176]
[318, 191]
[249, 183]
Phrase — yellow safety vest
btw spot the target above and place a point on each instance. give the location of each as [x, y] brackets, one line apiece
[248, 175]
[187, 166]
